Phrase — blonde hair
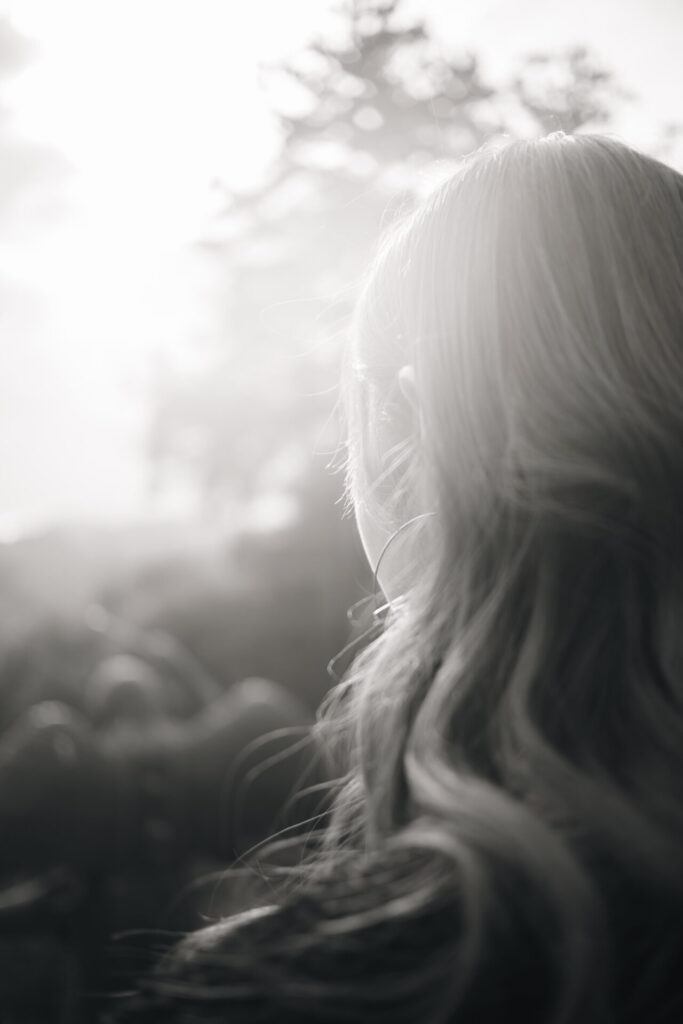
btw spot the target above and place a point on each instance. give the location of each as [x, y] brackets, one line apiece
[508, 821]
[524, 708]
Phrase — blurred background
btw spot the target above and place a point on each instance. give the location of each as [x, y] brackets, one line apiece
[189, 193]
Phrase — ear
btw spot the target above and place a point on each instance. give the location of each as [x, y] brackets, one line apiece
[406, 382]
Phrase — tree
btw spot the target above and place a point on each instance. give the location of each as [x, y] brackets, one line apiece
[32, 175]
[365, 119]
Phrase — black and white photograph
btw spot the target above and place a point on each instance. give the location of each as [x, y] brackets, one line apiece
[341, 512]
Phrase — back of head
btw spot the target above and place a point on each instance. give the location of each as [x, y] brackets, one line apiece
[507, 831]
[529, 692]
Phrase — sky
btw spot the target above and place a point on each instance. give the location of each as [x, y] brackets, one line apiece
[148, 103]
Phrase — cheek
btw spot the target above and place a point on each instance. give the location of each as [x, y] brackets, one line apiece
[386, 548]
[373, 538]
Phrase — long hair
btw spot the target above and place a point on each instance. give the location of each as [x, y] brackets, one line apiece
[506, 835]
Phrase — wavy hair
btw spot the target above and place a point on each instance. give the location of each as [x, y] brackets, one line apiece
[506, 832]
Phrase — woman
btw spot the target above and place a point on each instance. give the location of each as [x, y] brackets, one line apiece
[505, 840]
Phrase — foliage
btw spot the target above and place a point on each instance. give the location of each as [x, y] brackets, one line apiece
[366, 120]
[33, 176]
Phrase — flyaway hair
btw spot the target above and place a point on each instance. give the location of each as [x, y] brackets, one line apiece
[505, 837]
